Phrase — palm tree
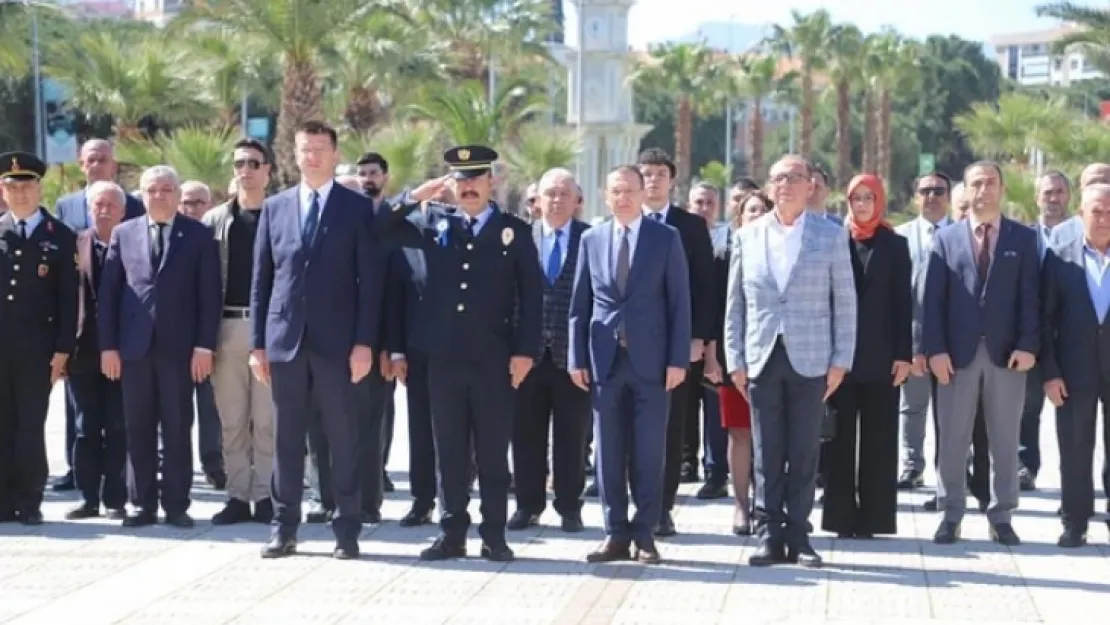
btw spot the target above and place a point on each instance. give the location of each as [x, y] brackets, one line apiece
[411, 149]
[1092, 39]
[539, 148]
[809, 40]
[196, 152]
[698, 82]
[236, 66]
[129, 82]
[893, 67]
[756, 77]
[298, 31]
[845, 71]
[1014, 127]
[466, 115]
[15, 32]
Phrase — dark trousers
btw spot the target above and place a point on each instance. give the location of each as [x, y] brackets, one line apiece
[861, 488]
[305, 383]
[371, 394]
[158, 394]
[100, 451]
[388, 416]
[786, 430]
[691, 431]
[318, 463]
[547, 401]
[1029, 450]
[631, 419]
[472, 401]
[209, 429]
[24, 402]
[715, 439]
[1075, 434]
[979, 467]
[676, 430]
[71, 429]
[422, 450]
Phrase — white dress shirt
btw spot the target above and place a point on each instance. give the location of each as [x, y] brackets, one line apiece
[29, 224]
[662, 212]
[633, 235]
[784, 246]
[479, 221]
[306, 199]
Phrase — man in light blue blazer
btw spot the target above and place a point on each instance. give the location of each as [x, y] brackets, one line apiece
[629, 345]
[790, 336]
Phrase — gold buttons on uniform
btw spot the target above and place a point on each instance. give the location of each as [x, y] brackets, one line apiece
[460, 308]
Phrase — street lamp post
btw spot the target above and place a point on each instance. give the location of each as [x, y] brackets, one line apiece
[36, 70]
[580, 92]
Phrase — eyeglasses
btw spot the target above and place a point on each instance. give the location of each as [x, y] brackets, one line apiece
[933, 191]
[784, 179]
[247, 162]
[703, 202]
[192, 203]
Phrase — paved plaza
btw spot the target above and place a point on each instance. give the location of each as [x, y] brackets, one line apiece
[96, 573]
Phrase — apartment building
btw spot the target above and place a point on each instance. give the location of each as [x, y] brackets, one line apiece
[1028, 58]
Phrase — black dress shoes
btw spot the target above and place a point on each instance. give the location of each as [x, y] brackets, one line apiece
[1004, 534]
[318, 513]
[591, 489]
[216, 478]
[930, 504]
[572, 523]
[804, 554]
[346, 550]
[647, 553]
[371, 517]
[1072, 538]
[65, 483]
[522, 520]
[444, 549]
[497, 553]
[263, 511]
[416, 516]
[278, 547]
[666, 526]
[387, 484]
[910, 479]
[712, 490]
[83, 511]
[181, 520]
[141, 518]
[948, 532]
[767, 553]
[234, 511]
[610, 551]
[30, 517]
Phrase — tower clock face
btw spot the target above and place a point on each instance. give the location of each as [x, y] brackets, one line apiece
[595, 31]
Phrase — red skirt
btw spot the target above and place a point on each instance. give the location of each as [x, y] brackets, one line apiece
[735, 412]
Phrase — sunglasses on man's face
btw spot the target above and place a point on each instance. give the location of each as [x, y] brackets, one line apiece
[933, 191]
[247, 162]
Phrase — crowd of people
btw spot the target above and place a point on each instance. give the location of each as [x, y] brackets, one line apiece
[780, 345]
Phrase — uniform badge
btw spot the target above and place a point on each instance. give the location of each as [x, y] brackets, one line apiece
[44, 270]
[441, 228]
[507, 236]
[50, 227]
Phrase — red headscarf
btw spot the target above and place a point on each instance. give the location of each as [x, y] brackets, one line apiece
[861, 231]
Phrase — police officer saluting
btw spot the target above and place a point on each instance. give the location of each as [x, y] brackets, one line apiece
[38, 330]
[480, 262]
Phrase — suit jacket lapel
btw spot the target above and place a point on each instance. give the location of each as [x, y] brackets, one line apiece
[173, 241]
[327, 211]
[608, 256]
[809, 238]
[645, 240]
[84, 255]
[571, 257]
[1079, 259]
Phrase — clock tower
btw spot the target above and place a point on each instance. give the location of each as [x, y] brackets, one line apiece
[610, 134]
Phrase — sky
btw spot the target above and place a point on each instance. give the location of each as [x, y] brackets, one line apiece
[659, 20]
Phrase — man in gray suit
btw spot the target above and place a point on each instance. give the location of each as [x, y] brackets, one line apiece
[981, 335]
[790, 335]
[931, 195]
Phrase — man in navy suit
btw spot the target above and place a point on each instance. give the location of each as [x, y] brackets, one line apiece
[315, 302]
[630, 333]
[158, 316]
[981, 335]
[1075, 355]
[98, 163]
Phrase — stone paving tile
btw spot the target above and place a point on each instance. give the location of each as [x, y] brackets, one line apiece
[96, 572]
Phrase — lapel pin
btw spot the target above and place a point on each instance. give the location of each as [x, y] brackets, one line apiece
[507, 236]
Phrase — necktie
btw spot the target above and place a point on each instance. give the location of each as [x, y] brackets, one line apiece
[22, 228]
[308, 233]
[157, 245]
[98, 264]
[658, 217]
[554, 259]
[470, 224]
[624, 262]
[983, 261]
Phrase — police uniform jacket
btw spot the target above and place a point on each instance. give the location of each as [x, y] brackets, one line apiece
[38, 288]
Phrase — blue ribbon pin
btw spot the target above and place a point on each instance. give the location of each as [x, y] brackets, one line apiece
[442, 227]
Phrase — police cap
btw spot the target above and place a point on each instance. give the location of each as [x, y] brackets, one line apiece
[470, 161]
[21, 166]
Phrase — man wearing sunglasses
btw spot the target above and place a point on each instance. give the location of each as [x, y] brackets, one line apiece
[243, 403]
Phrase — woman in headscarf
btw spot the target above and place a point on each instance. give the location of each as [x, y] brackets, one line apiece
[861, 497]
[736, 416]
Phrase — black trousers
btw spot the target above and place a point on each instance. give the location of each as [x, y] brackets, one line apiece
[388, 415]
[100, 449]
[371, 395]
[676, 430]
[691, 431]
[861, 487]
[979, 469]
[547, 401]
[422, 449]
[24, 402]
[472, 401]
[1075, 434]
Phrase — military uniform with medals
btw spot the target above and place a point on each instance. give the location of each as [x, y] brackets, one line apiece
[482, 306]
[38, 319]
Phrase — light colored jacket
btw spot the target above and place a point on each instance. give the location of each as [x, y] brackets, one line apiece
[816, 311]
[920, 248]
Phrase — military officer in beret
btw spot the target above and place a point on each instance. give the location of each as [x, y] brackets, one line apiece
[38, 330]
[480, 263]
